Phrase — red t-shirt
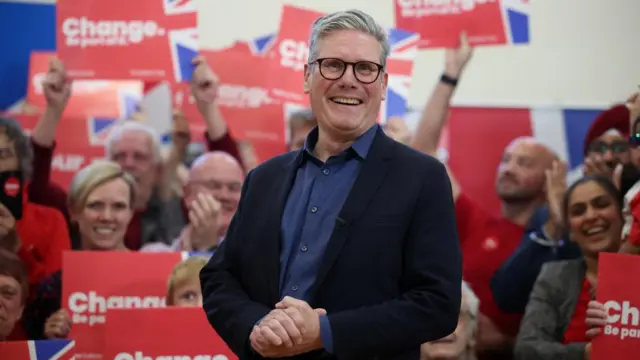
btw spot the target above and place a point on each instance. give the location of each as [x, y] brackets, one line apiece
[577, 330]
[486, 242]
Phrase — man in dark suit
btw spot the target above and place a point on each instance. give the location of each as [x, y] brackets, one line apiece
[347, 248]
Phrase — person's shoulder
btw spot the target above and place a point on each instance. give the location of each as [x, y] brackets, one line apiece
[42, 215]
[561, 268]
[409, 157]
[273, 166]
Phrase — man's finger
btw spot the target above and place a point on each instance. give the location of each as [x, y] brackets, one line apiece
[270, 334]
[197, 209]
[194, 221]
[320, 311]
[288, 301]
[296, 316]
[295, 333]
[591, 333]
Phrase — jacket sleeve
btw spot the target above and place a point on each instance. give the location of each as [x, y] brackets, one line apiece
[512, 283]
[41, 190]
[229, 309]
[429, 309]
[538, 337]
[226, 143]
[46, 260]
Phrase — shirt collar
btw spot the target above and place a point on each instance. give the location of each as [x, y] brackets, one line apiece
[361, 146]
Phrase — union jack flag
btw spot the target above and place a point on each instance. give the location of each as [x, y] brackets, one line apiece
[38, 350]
[404, 47]
[177, 7]
[99, 129]
[184, 47]
[516, 17]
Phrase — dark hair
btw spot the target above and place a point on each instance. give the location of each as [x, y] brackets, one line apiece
[602, 181]
[22, 145]
[629, 177]
[12, 266]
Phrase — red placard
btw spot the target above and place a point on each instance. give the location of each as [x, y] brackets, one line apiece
[620, 338]
[469, 128]
[37, 350]
[167, 333]
[81, 141]
[94, 282]
[290, 51]
[440, 23]
[104, 98]
[119, 39]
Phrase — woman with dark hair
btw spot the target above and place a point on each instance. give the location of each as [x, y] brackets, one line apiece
[14, 289]
[554, 323]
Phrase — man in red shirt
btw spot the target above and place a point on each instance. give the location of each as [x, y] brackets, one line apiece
[487, 240]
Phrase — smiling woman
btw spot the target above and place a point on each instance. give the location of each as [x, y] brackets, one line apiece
[592, 208]
[101, 200]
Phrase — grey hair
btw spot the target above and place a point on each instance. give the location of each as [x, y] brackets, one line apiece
[470, 305]
[348, 20]
[134, 126]
[21, 143]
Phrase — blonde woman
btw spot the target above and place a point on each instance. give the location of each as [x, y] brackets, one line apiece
[183, 287]
[100, 201]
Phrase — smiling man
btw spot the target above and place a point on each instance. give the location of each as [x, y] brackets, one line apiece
[325, 257]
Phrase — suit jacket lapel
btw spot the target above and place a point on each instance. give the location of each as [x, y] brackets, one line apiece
[372, 174]
[272, 243]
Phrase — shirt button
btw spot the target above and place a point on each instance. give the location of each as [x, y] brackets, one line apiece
[314, 209]
[325, 171]
[295, 287]
[304, 248]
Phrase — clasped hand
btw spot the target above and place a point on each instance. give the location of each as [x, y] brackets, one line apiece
[292, 328]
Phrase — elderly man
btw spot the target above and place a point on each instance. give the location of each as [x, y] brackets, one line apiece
[346, 248]
[460, 345]
[211, 198]
[136, 147]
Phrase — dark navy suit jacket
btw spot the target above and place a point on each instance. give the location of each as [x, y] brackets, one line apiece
[390, 276]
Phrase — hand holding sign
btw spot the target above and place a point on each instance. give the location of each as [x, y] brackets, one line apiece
[204, 85]
[56, 86]
[456, 59]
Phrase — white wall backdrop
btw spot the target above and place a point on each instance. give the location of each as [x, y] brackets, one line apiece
[584, 53]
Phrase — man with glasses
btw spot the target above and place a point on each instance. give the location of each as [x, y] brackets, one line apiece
[346, 248]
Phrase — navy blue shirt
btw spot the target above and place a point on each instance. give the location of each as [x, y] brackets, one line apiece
[316, 198]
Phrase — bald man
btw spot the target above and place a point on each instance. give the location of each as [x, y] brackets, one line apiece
[211, 197]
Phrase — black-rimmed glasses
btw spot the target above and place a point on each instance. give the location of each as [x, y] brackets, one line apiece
[365, 72]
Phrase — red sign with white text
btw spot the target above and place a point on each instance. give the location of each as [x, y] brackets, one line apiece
[169, 333]
[120, 39]
[440, 23]
[108, 98]
[290, 51]
[94, 282]
[620, 338]
[81, 142]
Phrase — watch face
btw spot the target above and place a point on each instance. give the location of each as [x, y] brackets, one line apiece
[634, 139]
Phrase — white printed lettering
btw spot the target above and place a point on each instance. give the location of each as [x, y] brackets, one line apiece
[138, 355]
[293, 54]
[623, 320]
[68, 163]
[95, 305]
[239, 96]
[82, 32]
[422, 8]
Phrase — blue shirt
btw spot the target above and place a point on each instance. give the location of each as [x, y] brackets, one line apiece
[316, 198]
